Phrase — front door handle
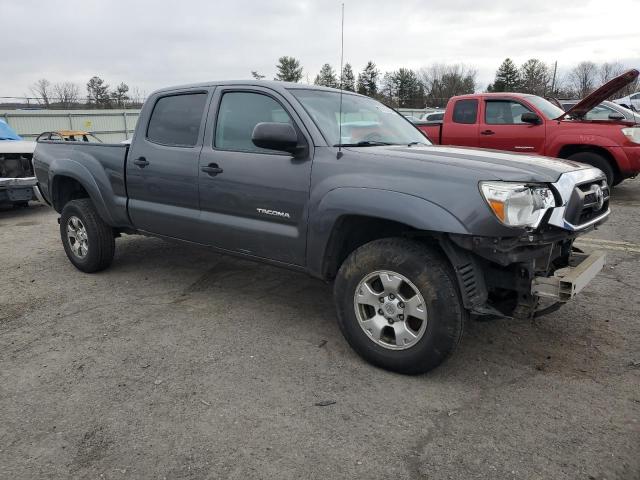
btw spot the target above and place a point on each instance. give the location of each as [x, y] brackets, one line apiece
[212, 169]
[487, 132]
[141, 162]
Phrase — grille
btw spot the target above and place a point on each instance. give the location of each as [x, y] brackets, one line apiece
[588, 202]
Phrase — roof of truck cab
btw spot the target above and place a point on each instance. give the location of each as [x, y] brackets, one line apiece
[495, 94]
[273, 84]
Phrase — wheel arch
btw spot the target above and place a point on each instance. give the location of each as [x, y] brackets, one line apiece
[71, 180]
[347, 218]
[567, 150]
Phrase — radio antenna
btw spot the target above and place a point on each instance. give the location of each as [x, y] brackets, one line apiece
[339, 155]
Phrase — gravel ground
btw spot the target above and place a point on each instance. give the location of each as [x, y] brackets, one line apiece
[181, 363]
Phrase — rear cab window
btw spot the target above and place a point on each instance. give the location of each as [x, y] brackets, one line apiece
[176, 119]
[465, 111]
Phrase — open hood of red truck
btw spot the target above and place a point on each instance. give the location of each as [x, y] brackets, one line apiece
[580, 109]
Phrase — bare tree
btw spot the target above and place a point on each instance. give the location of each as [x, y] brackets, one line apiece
[610, 70]
[137, 97]
[42, 90]
[441, 82]
[583, 78]
[66, 94]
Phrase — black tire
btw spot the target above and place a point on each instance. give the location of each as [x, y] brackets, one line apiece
[598, 161]
[100, 239]
[434, 278]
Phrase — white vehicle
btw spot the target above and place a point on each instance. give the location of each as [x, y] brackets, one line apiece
[632, 102]
[435, 116]
[17, 179]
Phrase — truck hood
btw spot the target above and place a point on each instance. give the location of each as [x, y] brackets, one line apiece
[580, 109]
[16, 146]
[488, 164]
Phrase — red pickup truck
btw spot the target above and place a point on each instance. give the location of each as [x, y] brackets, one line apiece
[527, 123]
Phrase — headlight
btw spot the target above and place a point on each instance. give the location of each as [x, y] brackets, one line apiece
[632, 133]
[517, 204]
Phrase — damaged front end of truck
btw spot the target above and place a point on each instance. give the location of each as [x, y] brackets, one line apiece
[537, 272]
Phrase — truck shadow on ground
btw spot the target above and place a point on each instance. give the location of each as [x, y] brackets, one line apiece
[566, 342]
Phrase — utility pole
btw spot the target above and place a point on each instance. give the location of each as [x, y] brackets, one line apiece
[553, 82]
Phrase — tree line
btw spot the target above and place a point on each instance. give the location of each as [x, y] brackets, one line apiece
[402, 88]
[99, 94]
[434, 85]
[429, 86]
[539, 78]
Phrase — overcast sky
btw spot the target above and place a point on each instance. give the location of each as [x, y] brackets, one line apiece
[151, 44]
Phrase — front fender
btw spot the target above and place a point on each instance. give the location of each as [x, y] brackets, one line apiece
[586, 139]
[410, 210]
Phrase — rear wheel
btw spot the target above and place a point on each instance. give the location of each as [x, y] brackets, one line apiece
[88, 241]
[398, 305]
[598, 161]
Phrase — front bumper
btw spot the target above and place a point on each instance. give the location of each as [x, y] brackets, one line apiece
[18, 189]
[567, 282]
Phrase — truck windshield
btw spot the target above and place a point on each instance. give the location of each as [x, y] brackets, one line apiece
[365, 121]
[547, 108]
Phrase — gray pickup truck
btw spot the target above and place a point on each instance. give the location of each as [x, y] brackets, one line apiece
[414, 237]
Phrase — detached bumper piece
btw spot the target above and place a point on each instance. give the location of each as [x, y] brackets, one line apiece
[567, 282]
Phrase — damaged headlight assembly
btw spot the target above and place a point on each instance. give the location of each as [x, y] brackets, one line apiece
[518, 204]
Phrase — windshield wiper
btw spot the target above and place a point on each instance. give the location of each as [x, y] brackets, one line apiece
[415, 143]
[364, 143]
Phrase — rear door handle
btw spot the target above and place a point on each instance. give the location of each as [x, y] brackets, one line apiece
[487, 132]
[141, 162]
[212, 169]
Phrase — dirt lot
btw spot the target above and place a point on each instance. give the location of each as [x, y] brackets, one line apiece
[180, 363]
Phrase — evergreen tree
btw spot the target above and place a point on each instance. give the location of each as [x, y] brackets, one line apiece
[534, 77]
[98, 92]
[409, 89]
[256, 75]
[120, 95]
[326, 77]
[507, 78]
[289, 69]
[368, 80]
[348, 79]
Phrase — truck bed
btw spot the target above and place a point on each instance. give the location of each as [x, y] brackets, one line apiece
[100, 167]
[433, 130]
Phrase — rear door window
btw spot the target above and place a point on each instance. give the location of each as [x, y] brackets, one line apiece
[176, 120]
[465, 111]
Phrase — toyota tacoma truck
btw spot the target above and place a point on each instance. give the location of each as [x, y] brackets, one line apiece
[414, 237]
[527, 123]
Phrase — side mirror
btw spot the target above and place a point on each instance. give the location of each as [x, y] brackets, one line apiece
[616, 116]
[276, 136]
[530, 117]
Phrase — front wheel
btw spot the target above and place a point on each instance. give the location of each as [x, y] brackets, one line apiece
[399, 306]
[88, 241]
[598, 161]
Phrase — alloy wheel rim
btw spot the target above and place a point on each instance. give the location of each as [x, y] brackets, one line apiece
[77, 237]
[390, 310]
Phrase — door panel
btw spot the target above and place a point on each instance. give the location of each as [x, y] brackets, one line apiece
[502, 129]
[162, 167]
[462, 129]
[254, 201]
